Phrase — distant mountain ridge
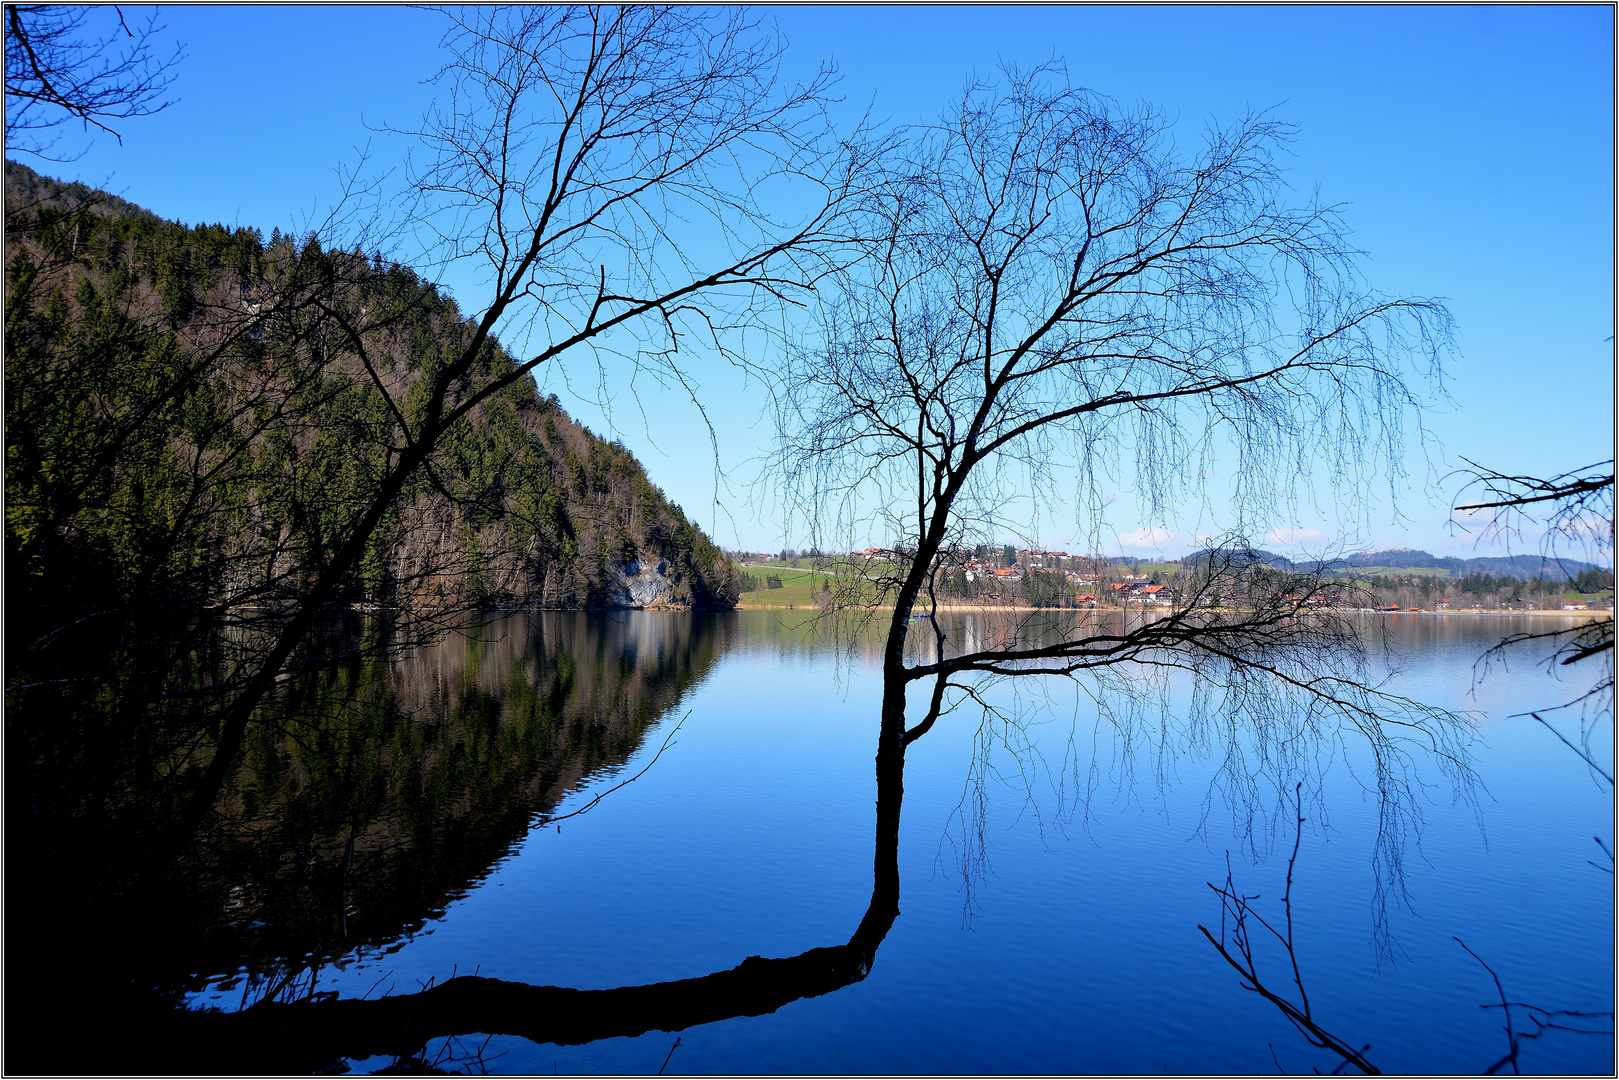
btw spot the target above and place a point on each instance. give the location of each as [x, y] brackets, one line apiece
[1522, 567]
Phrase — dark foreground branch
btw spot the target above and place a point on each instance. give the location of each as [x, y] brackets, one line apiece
[302, 1035]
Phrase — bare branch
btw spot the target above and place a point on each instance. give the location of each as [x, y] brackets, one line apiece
[58, 70]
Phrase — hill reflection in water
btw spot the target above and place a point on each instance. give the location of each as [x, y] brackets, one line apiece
[402, 783]
[388, 842]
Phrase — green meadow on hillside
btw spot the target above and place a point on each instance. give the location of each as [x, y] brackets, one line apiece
[799, 587]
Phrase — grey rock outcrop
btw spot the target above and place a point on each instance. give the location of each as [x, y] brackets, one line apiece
[641, 583]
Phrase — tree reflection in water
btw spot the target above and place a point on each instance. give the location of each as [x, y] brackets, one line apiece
[376, 795]
[389, 790]
[1240, 944]
[289, 1033]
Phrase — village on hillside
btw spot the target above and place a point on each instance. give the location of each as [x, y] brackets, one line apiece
[1007, 576]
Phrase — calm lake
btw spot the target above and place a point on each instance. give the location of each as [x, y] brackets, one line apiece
[1055, 863]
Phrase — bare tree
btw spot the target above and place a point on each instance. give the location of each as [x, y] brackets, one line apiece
[604, 167]
[611, 169]
[1044, 272]
[1575, 510]
[1056, 284]
[59, 69]
[1580, 505]
[1239, 944]
[149, 555]
[292, 1027]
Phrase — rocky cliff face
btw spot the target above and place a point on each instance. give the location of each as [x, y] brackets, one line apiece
[641, 584]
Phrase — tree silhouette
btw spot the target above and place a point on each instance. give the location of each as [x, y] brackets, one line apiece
[57, 70]
[1052, 282]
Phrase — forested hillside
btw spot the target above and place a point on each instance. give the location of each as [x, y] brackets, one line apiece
[195, 414]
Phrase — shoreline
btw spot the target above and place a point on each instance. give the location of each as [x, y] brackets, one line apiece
[977, 608]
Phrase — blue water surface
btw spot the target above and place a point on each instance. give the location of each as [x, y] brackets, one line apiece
[1069, 943]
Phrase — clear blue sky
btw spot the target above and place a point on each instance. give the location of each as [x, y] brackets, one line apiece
[1472, 146]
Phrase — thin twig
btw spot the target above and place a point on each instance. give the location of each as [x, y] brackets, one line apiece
[667, 742]
[1512, 1040]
